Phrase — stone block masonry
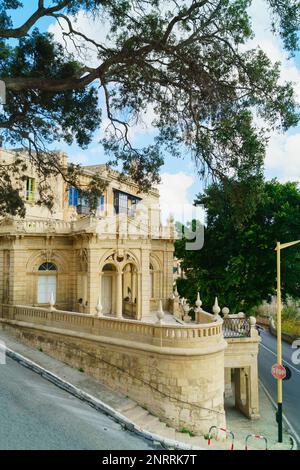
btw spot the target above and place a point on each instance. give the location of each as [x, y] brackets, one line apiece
[183, 386]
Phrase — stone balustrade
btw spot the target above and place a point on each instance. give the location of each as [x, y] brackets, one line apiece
[103, 227]
[164, 335]
[36, 226]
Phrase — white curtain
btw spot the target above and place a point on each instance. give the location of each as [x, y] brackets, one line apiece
[46, 286]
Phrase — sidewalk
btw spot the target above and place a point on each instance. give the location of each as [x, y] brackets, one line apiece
[132, 416]
[265, 426]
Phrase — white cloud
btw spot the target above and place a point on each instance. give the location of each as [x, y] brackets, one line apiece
[174, 197]
[272, 44]
[282, 158]
[79, 158]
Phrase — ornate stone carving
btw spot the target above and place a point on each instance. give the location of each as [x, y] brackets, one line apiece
[48, 255]
[83, 259]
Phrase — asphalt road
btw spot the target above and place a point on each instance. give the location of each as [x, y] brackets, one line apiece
[35, 414]
[291, 387]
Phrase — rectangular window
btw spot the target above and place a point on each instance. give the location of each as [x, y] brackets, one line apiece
[73, 196]
[83, 207]
[101, 204]
[46, 286]
[125, 203]
[30, 189]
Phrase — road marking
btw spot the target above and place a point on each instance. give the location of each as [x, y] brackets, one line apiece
[286, 362]
[295, 435]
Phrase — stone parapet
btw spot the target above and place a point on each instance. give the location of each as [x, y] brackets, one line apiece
[175, 372]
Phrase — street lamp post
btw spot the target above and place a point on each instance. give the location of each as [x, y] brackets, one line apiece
[279, 247]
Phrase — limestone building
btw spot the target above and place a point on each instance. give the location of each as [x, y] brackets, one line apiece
[121, 258]
[104, 272]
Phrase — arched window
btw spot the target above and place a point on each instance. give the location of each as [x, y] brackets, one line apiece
[47, 267]
[46, 282]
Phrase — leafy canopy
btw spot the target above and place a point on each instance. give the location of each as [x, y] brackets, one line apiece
[238, 261]
[185, 60]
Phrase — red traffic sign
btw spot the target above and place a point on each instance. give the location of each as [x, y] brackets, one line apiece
[278, 371]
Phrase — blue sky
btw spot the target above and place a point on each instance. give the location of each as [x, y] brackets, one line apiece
[180, 182]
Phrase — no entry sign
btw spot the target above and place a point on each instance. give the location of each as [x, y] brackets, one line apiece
[278, 371]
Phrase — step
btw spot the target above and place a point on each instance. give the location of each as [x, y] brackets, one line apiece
[126, 405]
[158, 428]
[136, 413]
[169, 433]
[147, 422]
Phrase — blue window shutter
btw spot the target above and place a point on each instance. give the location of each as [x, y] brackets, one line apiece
[75, 196]
[70, 196]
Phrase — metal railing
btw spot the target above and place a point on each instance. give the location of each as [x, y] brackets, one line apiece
[236, 328]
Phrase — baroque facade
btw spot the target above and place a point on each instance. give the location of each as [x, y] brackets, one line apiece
[109, 275]
[120, 259]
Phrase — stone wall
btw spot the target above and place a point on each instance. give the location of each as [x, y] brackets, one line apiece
[184, 386]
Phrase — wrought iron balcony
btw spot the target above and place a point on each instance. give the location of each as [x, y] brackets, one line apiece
[236, 328]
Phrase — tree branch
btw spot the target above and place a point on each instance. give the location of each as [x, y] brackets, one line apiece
[39, 13]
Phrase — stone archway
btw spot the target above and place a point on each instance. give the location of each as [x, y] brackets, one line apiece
[108, 289]
[124, 284]
[130, 290]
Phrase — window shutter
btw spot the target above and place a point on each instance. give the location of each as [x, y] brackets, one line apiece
[75, 197]
[70, 196]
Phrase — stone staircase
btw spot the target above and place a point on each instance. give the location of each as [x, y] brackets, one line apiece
[148, 422]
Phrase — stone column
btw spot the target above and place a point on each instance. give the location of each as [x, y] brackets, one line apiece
[17, 275]
[228, 385]
[168, 277]
[240, 389]
[92, 281]
[253, 393]
[138, 300]
[144, 292]
[119, 296]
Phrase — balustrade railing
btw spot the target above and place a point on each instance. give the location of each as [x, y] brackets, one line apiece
[109, 225]
[165, 335]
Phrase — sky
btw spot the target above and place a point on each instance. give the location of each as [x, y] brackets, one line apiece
[179, 180]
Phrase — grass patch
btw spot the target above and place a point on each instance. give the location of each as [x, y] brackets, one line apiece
[81, 369]
[187, 431]
[41, 349]
[291, 327]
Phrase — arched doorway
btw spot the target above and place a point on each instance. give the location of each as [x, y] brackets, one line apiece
[130, 290]
[47, 274]
[108, 289]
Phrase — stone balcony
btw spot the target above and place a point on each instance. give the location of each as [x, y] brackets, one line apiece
[104, 227]
[187, 336]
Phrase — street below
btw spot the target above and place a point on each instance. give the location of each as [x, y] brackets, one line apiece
[291, 388]
[35, 415]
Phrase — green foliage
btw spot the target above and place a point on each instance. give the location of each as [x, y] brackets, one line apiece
[187, 431]
[238, 262]
[182, 59]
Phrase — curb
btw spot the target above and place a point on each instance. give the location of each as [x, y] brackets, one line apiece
[295, 439]
[98, 404]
